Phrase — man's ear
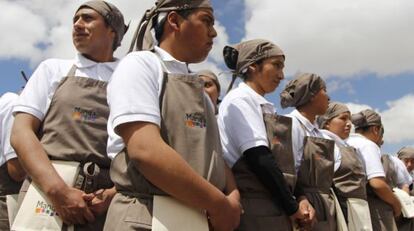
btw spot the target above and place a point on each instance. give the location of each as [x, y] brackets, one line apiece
[327, 125]
[252, 67]
[375, 130]
[174, 20]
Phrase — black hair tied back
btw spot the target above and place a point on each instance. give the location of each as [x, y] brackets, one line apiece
[230, 57]
[359, 120]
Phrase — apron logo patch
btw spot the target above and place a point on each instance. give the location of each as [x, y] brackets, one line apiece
[195, 120]
[319, 156]
[80, 114]
[275, 140]
[45, 209]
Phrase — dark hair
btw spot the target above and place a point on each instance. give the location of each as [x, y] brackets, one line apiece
[362, 129]
[230, 56]
[159, 26]
[366, 128]
[259, 63]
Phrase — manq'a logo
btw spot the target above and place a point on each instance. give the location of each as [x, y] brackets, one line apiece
[196, 119]
[275, 139]
[319, 156]
[80, 114]
[43, 208]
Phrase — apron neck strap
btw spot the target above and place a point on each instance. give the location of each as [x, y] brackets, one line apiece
[72, 70]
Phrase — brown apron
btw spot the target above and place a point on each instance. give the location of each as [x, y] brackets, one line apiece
[391, 178]
[382, 215]
[315, 177]
[188, 125]
[260, 211]
[350, 182]
[7, 186]
[75, 129]
[390, 171]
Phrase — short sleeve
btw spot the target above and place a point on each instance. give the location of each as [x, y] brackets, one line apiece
[133, 91]
[7, 124]
[244, 125]
[33, 99]
[372, 159]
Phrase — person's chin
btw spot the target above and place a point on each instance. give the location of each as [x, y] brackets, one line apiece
[199, 58]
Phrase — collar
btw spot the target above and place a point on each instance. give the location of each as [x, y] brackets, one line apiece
[334, 136]
[357, 135]
[167, 57]
[260, 100]
[83, 62]
[304, 121]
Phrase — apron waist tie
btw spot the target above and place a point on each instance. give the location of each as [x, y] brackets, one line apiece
[136, 194]
[315, 190]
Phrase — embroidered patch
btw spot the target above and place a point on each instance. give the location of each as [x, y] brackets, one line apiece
[275, 140]
[196, 119]
[318, 156]
[42, 208]
[83, 115]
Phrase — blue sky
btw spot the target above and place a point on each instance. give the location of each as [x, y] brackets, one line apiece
[362, 48]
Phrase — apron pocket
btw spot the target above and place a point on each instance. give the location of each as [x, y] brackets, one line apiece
[138, 213]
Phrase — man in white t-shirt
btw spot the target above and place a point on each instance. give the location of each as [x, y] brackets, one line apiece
[160, 110]
[367, 140]
[62, 113]
[11, 172]
[403, 178]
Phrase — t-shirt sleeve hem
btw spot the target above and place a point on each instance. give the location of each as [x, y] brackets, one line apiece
[251, 144]
[373, 175]
[135, 118]
[29, 110]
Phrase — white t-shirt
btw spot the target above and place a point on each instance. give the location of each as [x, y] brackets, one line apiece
[240, 122]
[38, 92]
[134, 90]
[302, 127]
[371, 154]
[403, 176]
[6, 122]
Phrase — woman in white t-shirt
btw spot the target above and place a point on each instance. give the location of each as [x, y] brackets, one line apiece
[349, 179]
[367, 140]
[249, 131]
[315, 159]
[211, 86]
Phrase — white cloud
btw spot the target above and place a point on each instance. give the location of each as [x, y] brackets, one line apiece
[43, 25]
[355, 108]
[28, 23]
[337, 37]
[336, 85]
[398, 120]
[21, 30]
